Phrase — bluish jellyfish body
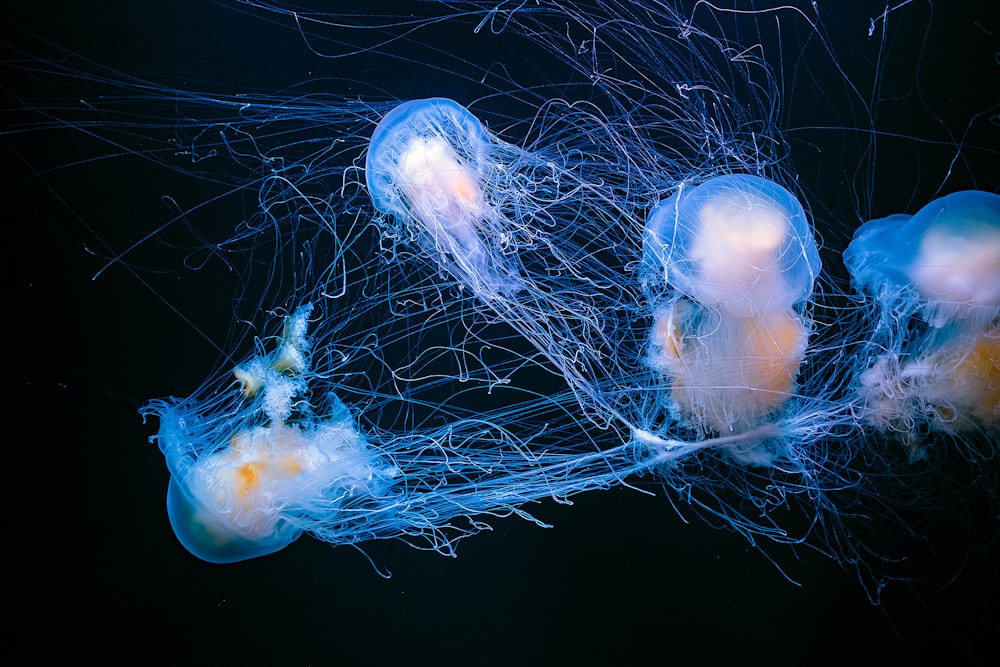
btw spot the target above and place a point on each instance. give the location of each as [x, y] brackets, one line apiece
[427, 162]
[933, 280]
[728, 265]
[250, 486]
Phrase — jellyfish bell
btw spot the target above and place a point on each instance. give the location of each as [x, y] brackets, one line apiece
[431, 144]
[739, 242]
[242, 501]
[210, 533]
[948, 254]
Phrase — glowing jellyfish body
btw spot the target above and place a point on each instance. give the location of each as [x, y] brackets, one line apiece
[246, 485]
[934, 279]
[240, 502]
[427, 161]
[726, 263]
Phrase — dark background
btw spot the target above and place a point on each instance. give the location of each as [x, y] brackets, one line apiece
[619, 578]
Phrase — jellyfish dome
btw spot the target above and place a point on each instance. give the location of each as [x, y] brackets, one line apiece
[422, 149]
[738, 242]
[946, 257]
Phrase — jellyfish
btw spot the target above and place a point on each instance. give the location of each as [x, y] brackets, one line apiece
[700, 379]
[427, 163]
[680, 338]
[249, 487]
[728, 265]
[933, 282]
[565, 209]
